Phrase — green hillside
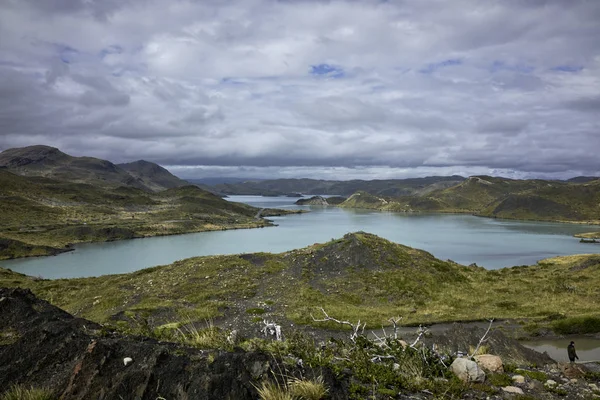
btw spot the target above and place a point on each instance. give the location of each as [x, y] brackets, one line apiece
[501, 198]
[359, 276]
[43, 215]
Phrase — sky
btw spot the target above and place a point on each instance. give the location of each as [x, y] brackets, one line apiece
[304, 88]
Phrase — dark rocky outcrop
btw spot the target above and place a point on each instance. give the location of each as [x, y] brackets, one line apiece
[44, 346]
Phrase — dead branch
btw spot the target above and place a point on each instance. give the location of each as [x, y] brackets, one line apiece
[483, 339]
[355, 327]
[421, 331]
[394, 322]
[272, 329]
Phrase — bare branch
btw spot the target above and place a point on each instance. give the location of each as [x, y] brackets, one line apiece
[421, 331]
[394, 322]
[483, 339]
[355, 327]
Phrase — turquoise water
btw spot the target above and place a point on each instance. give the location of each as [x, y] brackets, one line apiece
[466, 239]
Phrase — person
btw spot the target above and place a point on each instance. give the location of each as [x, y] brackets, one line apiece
[572, 353]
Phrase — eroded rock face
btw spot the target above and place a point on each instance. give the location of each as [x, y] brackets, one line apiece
[467, 371]
[77, 360]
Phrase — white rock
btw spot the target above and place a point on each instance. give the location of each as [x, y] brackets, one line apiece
[467, 370]
[550, 382]
[518, 379]
[513, 389]
[127, 361]
[593, 386]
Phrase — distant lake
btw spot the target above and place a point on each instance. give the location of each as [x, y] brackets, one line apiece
[491, 243]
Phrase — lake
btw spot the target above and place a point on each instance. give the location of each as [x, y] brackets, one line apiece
[466, 239]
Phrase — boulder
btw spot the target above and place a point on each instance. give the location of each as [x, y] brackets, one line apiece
[467, 370]
[490, 363]
[518, 379]
[513, 390]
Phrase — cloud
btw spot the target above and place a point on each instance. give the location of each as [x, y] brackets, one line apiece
[352, 88]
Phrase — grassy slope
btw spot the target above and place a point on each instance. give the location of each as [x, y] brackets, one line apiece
[502, 198]
[360, 276]
[40, 212]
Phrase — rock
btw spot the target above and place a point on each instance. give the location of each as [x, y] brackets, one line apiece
[77, 360]
[593, 386]
[551, 383]
[490, 363]
[573, 380]
[572, 370]
[467, 370]
[127, 361]
[513, 389]
[518, 379]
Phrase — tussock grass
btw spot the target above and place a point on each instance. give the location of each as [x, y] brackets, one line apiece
[273, 391]
[19, 392]
[305, 389]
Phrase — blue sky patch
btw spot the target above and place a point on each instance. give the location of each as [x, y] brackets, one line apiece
[67, 54]
[327, 70]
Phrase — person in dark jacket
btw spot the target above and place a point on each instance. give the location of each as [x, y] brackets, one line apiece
[571, 351]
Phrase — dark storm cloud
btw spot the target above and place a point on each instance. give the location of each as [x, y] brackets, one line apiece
[316, 87]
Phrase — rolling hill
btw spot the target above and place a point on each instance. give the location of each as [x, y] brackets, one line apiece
[500, 198]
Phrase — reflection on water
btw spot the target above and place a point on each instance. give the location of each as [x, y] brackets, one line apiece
[465, 239]
[588, 349]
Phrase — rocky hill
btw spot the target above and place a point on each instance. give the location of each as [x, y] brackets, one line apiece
[357, 277]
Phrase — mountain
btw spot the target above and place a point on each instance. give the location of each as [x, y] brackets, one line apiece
[386, 187]
[152, 175]
[50, 162]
